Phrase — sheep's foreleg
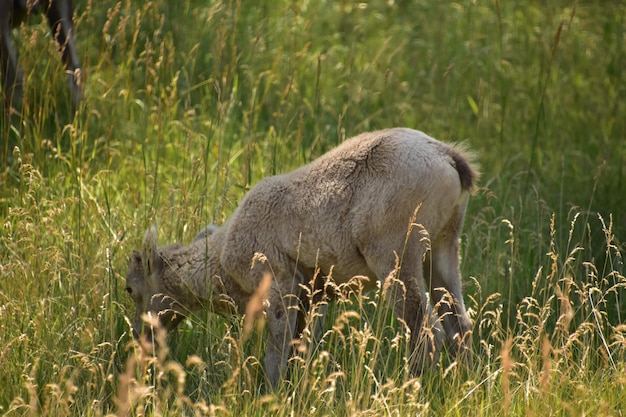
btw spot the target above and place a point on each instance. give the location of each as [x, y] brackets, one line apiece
[12, 78]
[281, 314]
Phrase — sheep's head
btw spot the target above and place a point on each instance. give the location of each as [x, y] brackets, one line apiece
[146, 283]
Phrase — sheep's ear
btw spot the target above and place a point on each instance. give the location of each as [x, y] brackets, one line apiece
[206, 232]
[136, 272]
[136, 260]
[151, 259]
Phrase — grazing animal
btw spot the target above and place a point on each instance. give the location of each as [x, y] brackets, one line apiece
[59, 14]
[388, 205]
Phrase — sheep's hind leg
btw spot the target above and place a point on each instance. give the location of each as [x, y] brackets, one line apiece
[404, 290]
[59, 16]
[445, 289]
[410, 303]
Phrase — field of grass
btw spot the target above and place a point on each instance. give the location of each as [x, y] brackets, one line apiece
[190, 103]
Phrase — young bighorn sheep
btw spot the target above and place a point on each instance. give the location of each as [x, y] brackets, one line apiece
[388, 205]
[59, 14]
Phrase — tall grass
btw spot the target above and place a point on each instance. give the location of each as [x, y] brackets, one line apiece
[188, 104]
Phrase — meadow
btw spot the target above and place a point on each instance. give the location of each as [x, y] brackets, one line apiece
[188, 104]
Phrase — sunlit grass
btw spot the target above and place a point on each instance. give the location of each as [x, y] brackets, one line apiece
[187, 105]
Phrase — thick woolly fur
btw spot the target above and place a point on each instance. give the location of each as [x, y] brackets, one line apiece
[388, 205]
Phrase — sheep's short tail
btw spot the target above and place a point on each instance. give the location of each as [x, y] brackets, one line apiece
[463, 162]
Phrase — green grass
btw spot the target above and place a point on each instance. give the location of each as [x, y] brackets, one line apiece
[188, 104]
